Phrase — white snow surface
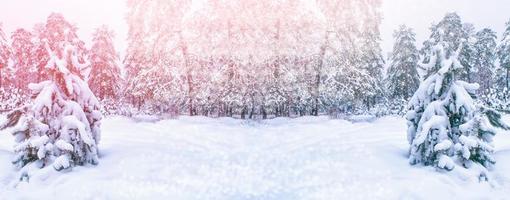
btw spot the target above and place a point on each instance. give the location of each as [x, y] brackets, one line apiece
[302, 158]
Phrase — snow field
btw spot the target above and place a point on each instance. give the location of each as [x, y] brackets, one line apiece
[303, 158]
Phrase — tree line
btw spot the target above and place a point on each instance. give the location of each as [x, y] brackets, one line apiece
[257, 59]
[254, 58]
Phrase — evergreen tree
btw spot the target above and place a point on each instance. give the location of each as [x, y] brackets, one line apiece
[5, 56]
[485, 59]
[454, 33]
[403, 78]
[467, 56]
[61, 127]
[22, 48]
[58, 30]
[445, 126]
[105, 79]
[40, 55]
[503, 53]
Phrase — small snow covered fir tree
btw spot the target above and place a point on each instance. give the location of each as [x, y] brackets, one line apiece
[61, 127]
[446, 128]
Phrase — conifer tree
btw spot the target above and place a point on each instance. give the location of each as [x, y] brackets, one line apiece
[58, 30]
[452, 31]
[61, 126]
[503, 53]
[22, 48]
[5, 55]
[403, 78]
[446, 128]
[105, 79]
[485, 59]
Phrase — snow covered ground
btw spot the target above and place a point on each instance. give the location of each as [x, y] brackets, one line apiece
[303, 158]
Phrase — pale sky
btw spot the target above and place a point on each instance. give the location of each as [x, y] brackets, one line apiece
[418, 14]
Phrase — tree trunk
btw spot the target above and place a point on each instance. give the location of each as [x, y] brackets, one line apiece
[368, 103]
[243, 113]
[252, 112]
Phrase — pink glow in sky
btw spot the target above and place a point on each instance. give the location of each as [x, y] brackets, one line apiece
[89, 14]
[86, 14]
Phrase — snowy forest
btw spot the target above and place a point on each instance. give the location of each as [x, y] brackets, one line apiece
[252, 99]
[294, 60]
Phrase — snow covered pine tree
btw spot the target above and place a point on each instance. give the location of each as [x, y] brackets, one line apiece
[446, 128]
[61, 127]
